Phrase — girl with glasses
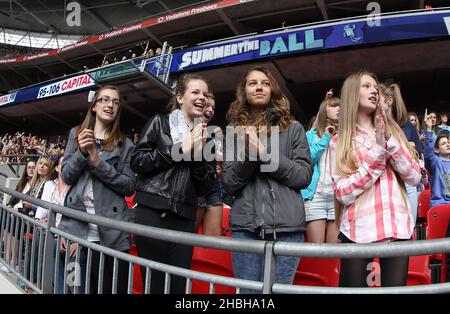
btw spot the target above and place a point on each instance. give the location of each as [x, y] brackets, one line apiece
[96, 165]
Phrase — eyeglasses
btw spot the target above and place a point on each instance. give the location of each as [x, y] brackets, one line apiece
[107, 100]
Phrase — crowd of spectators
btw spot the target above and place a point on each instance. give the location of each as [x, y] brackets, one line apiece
[9, 51]
[17, 147]
[134, 52]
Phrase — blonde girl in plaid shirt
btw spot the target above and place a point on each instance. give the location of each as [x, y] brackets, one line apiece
[370, 163]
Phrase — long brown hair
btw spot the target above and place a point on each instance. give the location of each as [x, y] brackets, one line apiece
[239, 112]
[114, 136]
[321, 120]
[417, 126]
[182, 83]
[24, 177]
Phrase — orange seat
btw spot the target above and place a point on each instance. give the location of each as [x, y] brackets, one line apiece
[438, 220]
[317, 272]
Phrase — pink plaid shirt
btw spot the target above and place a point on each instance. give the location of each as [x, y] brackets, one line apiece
[374, 207]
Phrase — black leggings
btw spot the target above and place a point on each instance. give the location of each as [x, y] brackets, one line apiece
[354, 273]
[162, 251]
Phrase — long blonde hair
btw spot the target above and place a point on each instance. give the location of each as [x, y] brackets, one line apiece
[345, 159]
[34, 184]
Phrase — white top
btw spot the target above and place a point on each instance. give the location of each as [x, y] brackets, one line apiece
[88, 194]
[52, 195]
[88, 201]
[93, 235]
[325, 184]
[25, 191]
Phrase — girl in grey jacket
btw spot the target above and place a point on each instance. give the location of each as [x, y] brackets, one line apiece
[97, 166]
[268, 205]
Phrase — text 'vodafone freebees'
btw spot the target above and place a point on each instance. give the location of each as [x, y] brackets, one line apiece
[65, 86]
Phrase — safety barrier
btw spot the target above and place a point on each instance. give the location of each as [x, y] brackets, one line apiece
[40, 261]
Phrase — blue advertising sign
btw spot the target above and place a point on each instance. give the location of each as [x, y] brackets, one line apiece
[55, 88]
[157, 65]
[349, 33]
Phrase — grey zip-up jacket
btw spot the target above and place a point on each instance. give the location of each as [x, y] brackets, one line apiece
[270, 202]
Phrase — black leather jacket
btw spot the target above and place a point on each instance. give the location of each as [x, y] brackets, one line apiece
[163, 183]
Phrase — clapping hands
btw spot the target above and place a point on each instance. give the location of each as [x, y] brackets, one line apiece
[383, 131]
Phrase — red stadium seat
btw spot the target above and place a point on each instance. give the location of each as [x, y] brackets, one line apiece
[226, 220]
[424, 206]
[317, 272]
[438, 218]
[212, 261]
[137, 278]
[215, 262]
[419, 272]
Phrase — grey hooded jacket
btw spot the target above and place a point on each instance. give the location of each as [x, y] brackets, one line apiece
[112, 180]
[270, 202]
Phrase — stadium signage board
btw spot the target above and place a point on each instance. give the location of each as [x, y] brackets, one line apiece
[349, 33]
[7, 99]
[65, 86]
[136, 27]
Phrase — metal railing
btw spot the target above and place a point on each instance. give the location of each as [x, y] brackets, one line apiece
[40, 274]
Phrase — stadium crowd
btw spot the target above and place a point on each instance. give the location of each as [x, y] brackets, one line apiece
[328, 178]
[15, 148]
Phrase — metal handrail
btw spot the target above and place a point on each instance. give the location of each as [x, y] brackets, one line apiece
[363, 250]
[248, 246]
[428, 289]
[173, 270]
[270, 249]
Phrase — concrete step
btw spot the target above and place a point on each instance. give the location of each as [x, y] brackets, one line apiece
[6, 285]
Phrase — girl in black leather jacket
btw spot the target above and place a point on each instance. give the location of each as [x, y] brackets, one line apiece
[168, 182]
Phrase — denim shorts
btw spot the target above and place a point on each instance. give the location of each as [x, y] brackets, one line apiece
[215, 195]
[320, 207]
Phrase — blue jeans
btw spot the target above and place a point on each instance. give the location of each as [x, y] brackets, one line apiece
[251, 266]
[413, 198]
